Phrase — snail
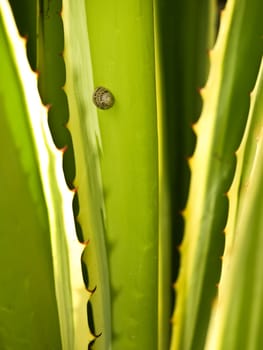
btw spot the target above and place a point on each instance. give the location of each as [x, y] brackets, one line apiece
[103, 98]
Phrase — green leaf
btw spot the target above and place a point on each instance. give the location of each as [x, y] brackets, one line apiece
[25, 13]
[219, 131]
[185, 31]
[40, 248]
[28, 310]
[83, 125]
[238, 313]
[116, 163]
[52, 76]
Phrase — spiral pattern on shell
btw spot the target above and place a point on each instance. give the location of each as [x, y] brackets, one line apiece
[103, 98]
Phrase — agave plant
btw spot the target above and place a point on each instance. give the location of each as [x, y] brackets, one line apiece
[132, 175]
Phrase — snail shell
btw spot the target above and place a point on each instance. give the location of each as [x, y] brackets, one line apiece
[103, 98]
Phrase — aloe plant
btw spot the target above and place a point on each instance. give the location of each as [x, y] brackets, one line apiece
[103, 210]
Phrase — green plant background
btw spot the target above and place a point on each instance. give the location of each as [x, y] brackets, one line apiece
[136, 227]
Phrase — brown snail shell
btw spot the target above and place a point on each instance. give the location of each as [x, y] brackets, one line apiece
[103, 98]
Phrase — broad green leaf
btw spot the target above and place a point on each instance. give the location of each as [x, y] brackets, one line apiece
[122, 47]
[219, 131]
[39, 247]
[238, 314]
[111, 44]
[185, 31]
[28, 311]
